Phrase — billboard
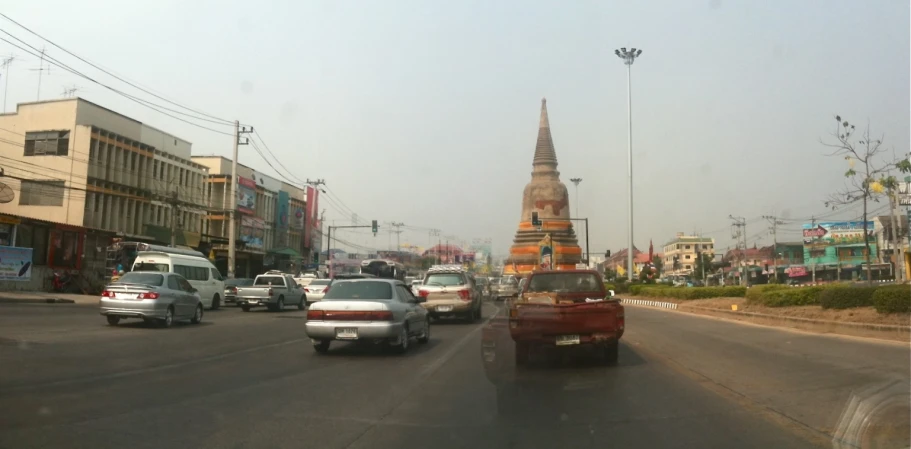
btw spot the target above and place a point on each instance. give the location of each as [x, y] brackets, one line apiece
[15, 263]
[283, 203]
[297, 217]
[246, 195]
[837, 243]
[252, 231]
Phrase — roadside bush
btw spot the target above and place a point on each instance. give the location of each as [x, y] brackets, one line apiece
[846, 298]
[754, 293]
[892, 299]
[693, 292]
[637, 289]
[610, 286]
[799, 296]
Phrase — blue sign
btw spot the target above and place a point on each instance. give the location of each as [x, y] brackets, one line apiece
[282, 216]
[15, 263]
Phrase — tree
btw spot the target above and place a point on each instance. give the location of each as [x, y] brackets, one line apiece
[866, 152]
[659, 266]
[702, 265]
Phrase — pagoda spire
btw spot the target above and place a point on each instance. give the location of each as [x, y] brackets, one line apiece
[544, 150]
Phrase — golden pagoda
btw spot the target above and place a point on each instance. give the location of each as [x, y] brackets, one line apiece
[547, 196]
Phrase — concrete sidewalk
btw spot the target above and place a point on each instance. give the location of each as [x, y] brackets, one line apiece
[47, 298]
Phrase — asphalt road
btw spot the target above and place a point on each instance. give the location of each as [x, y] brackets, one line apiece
[251, 380]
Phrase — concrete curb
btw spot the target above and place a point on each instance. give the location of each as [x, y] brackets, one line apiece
[868, 330]
[5, 300]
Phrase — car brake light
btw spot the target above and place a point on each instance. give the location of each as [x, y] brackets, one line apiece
[148, 295]
[465, 295]
[107, 294]
[326, 290]
[270, 292]
[307, 290]
[423, 293]
[354, 315]
[234, 289]
[315, 315]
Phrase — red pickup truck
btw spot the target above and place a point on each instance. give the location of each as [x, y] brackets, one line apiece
[566, 310]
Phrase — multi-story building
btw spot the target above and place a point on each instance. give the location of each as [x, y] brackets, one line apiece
[82, 174]
[271, 217]
[680, 254]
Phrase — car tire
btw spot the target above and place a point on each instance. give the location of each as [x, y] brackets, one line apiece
[197, 316]
[322, 347]
[216, 302]
[612, 353]
[168, 319]
[425, 337]
[113, 320]
[245, 308]
[303, 304]
[404, 341]
[281, 304]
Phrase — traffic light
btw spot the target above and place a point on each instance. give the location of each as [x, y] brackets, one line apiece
[375, 227]
[535, 221]
[607, 254]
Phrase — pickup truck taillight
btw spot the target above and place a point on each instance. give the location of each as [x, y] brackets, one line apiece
[465, 295]
[270, 292]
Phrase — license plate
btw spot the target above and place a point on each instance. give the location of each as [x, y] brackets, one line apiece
[563, 340]
[126, 295]
[444, 308]
[346, 333]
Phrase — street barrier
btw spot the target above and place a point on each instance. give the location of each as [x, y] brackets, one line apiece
[645, 302]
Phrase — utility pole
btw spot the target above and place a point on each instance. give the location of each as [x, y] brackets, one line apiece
[739, 232]
[773, 229]
[41, 70]
[174, 202]
[436, 233]
[7, 62]
[398, 234]
[628, 58]
[232, 222]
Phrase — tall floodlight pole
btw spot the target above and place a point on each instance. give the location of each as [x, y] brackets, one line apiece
[628, 58]
[576, 182]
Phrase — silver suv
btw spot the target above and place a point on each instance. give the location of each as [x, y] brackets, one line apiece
[450, 292]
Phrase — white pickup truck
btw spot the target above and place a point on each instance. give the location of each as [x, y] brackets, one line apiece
[274, 290]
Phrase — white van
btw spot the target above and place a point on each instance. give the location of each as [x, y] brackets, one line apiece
[201, 274]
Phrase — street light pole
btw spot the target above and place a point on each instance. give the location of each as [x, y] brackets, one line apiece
[576, 182]
[628, 58]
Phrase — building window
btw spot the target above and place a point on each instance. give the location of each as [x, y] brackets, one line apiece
[687, 257]
[47, 143]
[41, 193]
[687, 246]
[688, 267]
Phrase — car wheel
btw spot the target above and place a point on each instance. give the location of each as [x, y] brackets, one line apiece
[612, 353]
[245, 308]
[197, 317]
[168, 317]
[425, 337]
[216, 302]
[113, 320]
[303, 304]
[402, 346]
[281, 304]
[322, 347]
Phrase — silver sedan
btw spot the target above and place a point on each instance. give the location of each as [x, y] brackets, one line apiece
[316, 289]
[374, 310]
[153, 297]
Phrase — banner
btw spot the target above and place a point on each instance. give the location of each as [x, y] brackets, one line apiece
[246, 195]
[15, 263]
[546, 253]
[252, 231]
[281, 220]
[297, 218]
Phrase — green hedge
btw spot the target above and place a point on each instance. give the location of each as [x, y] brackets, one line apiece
[892, 299]
[636, 289]
[795, 296]
[693, 292]
[847, 298]
[754, 293]
[610, 286]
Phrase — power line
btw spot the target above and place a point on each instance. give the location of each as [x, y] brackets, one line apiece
[112, 74]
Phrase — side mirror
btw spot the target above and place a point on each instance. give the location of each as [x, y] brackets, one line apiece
[611, 293]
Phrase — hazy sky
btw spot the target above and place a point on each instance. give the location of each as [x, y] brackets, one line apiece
[426, 112]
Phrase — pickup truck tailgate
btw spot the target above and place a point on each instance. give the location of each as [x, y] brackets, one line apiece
[587, 319]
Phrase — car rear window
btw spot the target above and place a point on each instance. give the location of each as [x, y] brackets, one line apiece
[269, 280]
[152, 279]
[319, 282]
[238, 282]
[147, 266]
[509, 281]
[343, 291]
[444, 279]
[564, 282]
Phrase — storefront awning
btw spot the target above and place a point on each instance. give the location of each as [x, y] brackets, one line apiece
[287, 251]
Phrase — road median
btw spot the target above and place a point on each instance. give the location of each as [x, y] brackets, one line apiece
[859, 322]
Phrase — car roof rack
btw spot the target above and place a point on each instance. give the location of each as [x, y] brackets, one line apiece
[446, 268]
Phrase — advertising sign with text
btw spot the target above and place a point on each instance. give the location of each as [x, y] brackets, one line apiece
[15, 263]
[246, 195]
